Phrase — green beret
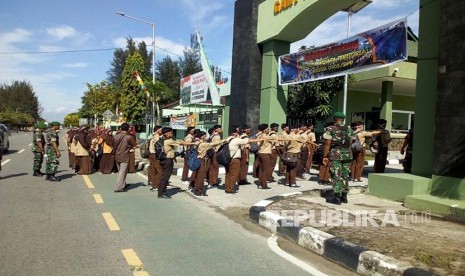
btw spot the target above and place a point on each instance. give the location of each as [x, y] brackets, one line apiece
[339, 115]
[41, 125]
[55, 123]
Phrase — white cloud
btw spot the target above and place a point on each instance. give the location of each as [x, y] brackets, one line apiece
[77, 65]
[62, 32]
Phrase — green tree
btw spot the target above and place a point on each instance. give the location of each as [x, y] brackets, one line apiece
[313, 100]
[19, 96]
[97, 99]
[114, 74]
[133, 99]
[190, 62]
[168, 72]
[71, 119]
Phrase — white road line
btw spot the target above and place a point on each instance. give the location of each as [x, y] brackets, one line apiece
[21, 151]
[29, 145]
[273, 245]
[6, 161]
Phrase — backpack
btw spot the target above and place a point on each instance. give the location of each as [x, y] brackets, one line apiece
[211, 152]
[144, 149]
[193, 162]
[375, 144]
[254, 147]
[223, 156]
[160, 153]
[356, 145]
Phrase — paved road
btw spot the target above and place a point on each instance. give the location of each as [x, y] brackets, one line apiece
[81, 227]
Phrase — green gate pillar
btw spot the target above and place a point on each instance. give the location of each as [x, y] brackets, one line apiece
[273, 97]
[386, 103]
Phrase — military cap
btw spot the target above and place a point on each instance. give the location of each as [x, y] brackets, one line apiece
[41, 125]
[339, 115]
[55, 123]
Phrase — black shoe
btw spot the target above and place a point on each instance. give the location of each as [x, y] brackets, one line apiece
[244, 182]
[344, 198]
[53, 179]
[47, 177]
[334, 200]
[165, 196]
[120, 191]
[37, 173]
[152, 189]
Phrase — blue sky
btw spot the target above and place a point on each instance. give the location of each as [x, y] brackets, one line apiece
[59, 78]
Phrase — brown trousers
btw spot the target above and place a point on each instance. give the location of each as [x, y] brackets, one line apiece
[71, 159]
[356, 167]
[309, 163]
[107, 162]
[264, 169]
[324, 172]
[166, 170]
[281, 151]
[302, 162]
[197, 179]
[213, 171]
[291, 171]
[154, 171]
[256, 166]
[185, 170]
[232, 175]
[380, 160]
[244, 168]
[83, 166]
[273, 161]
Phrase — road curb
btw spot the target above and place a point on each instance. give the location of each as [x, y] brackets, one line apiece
[352, 256]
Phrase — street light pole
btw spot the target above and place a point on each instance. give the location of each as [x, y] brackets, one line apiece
[350, 11]
[153, 61]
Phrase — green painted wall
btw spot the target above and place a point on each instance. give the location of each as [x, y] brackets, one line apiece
[273, 98]
[427, 85]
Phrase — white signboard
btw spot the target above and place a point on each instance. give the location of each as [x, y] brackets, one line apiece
[194, 89]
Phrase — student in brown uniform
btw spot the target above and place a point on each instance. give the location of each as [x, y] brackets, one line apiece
[233, 170]
[383, 138]
[185, 169]
[264, 156]
[311, 148]
[256, 161]
[274, 127]
[245, 154]
[132, 152]
[107, 161]
[282, 148]
[83, 165]
[154, 171]
[214, 168]
[323, 174]
[303, 152]
[293, 148]
[197, 180]
[169, 146]
[356, 167]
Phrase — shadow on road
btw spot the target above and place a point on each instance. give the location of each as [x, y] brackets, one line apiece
[11, 151]
[13, 175]
[66, 176]
[135, 186]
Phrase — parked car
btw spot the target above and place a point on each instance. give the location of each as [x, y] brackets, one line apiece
[6, 143]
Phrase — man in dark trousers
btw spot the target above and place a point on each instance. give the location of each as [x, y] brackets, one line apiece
[188, 139]
[123, 143]
[383, 140]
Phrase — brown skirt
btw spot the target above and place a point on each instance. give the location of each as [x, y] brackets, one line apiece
[83, 165]
[107, 162]
[72, 160]
[132, 162]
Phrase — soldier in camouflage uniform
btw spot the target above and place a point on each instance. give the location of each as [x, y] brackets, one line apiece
[52, 151]
[337, 152]
[38, 148]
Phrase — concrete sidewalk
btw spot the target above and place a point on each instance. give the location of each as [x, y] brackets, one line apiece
[410, 243]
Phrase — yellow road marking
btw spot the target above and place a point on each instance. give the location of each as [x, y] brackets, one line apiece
[134, 262]
[98, 198]
[110, 222]
[88, 182]
[140, 273]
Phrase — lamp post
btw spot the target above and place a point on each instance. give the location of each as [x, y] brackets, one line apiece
[354, 8]
[153, 61]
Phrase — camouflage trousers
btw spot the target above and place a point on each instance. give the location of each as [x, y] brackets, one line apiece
[38, 160]
[340, 175]
[51, 162]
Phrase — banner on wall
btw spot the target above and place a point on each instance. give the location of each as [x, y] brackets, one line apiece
[369, 50]
[193, 89]
[183, 122]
